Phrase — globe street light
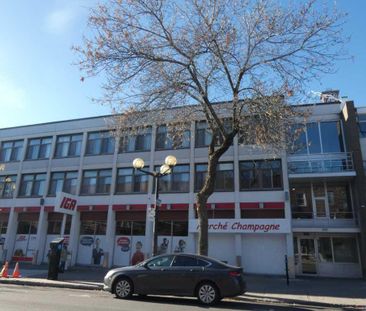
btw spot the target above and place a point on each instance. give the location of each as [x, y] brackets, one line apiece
[166, 169]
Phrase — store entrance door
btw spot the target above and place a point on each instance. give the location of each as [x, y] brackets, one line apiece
[307, 256]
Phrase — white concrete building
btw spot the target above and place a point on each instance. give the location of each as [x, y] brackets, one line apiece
[304, 206]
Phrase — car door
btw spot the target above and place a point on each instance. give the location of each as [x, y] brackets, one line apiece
[157, 278]
[189, 270]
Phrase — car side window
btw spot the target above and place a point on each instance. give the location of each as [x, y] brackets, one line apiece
[164, 261]
[187, 261]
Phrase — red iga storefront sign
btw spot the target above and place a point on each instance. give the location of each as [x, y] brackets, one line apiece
[243, 226]
[65, 203]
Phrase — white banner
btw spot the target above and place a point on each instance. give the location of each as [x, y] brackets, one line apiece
[243, 225]
[65, 203]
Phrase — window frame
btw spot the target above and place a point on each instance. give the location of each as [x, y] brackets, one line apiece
[134, 175]
[97, 183]
[4, 184]
[260, 176]
[34, 179]
[105, 142]
[41, 145]
[65, 178]
[12, 150]
[69, 143]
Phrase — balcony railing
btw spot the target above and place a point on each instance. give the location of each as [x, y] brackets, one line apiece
[334, 220]
[321, 163]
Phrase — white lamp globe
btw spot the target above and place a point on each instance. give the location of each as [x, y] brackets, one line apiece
[165, 169]
[138, 163]
[170, 160]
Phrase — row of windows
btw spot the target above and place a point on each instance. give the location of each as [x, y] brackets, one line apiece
[254, 175]
[321, 137]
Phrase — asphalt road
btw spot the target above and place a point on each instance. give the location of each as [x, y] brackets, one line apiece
[17, 298]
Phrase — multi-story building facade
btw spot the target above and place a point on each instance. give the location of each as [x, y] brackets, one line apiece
[305, 206]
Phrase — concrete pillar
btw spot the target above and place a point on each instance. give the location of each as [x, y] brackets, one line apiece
[110, 235]
[290, 255]
[11, 234]
[41, 236]
[74, 237]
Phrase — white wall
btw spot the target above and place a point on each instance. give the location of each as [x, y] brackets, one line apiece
[264, 253]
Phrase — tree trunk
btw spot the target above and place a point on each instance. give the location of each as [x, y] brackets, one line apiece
[206, 191]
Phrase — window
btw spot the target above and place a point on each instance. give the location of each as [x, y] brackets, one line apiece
[204, 135]
[96, 182]
[63, 182]
[32, 185]
[318, 137]
[27, 227]
[100, 143]
[187, 261]
[163, 261]
[129, 227]
[331, 137]
[224, 176]
[362, 124]
[260, 175]
[345, 250]
[339, 200]
[138, 142]
[177, 181]
[93, 227]
[301, 201]
[164, 141]
[7, 186]
[39, 148]
[3, 227]
[11, 150]
[172, 228]
[325, 250]
[130, 180]
[54, 226]
[68, 146]
[313, 137]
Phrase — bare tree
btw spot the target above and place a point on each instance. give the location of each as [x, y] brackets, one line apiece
[248, 55]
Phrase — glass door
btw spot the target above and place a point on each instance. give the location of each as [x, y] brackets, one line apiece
[307, 256]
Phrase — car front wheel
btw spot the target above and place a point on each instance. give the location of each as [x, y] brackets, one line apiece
[207, 294]
[123, 288]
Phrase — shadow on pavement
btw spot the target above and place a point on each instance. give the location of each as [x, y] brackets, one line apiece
[229, 304]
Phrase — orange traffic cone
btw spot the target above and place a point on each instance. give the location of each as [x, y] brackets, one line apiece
[4, 271]
[16, 272]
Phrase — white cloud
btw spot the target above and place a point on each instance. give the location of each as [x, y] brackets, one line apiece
[59, 21]
[12, 97]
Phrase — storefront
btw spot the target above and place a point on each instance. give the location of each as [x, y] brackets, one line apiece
[329, 255]
[260, 243]
[92, 238]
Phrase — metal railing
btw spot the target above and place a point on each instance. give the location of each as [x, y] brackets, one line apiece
[321, 163]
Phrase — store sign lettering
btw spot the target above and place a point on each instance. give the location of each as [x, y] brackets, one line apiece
[244, 226]
[65, 203]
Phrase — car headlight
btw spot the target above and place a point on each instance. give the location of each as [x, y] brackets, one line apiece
[109, 275]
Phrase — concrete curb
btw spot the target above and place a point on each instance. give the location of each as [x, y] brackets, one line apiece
[50, 283]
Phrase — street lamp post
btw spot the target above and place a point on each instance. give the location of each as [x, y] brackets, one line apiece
[165, 169]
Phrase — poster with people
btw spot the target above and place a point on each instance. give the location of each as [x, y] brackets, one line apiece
[129, 250]
[90, 250]
[2, 244]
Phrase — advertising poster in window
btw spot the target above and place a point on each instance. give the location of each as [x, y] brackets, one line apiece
[91, 249]
[129, 250]
[25, 245]
[174, 244]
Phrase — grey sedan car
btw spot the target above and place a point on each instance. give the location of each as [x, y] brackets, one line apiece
[177, 274]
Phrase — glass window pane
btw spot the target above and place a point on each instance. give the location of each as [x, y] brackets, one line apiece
[331, 137]
[313, 137]
[345, 250]
[325, 250]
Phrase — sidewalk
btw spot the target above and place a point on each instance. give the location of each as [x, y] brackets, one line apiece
[321, 292]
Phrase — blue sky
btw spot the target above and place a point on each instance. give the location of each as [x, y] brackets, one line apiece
[38, 82]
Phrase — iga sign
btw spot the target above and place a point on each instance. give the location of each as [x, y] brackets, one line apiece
[65, 203]
[243, 226]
